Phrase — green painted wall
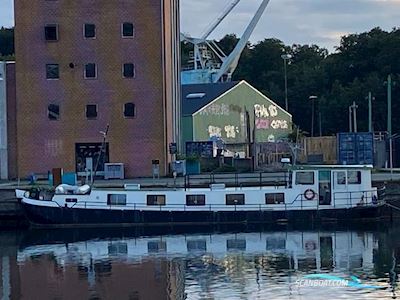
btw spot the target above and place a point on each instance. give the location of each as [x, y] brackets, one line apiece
[187, 130]
[226, 117]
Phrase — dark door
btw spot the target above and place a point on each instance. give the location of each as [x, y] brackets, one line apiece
[325, 193]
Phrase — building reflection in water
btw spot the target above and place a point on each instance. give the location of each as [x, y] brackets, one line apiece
[171, 267]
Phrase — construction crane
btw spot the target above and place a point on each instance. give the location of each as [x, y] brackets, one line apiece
[209, 63]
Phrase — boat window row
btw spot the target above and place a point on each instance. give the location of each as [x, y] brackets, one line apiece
[197, 245]
[196, 199]
[352, 177]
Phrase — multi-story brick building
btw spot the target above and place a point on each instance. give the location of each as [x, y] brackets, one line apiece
[84, 64]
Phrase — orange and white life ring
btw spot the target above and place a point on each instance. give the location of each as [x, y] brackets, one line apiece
[309, 194]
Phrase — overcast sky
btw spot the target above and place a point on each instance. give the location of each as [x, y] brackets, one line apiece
[321, 22]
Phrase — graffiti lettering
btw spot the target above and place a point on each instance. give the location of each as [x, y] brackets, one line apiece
[273, 111]
[214, 131]
[231, 131]
[262, 123]
[216, 110]
[263, 112]
[279, 124]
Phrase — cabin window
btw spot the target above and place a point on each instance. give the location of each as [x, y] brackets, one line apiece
[71, 200]
[117, 248]
[116, 199]
[155, 199]
[275, 198]
[235, 199]
[197, 245]
[195, 200]
[341, 177]
[354, 177]
[236, 245]
[304, 178]
[156, 246]
[275, 243]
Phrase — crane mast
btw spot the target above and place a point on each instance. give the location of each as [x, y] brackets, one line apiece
[210, 63]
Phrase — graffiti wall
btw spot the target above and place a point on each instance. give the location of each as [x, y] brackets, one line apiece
[226, 118]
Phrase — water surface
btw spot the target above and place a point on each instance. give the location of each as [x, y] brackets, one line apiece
[259, 264]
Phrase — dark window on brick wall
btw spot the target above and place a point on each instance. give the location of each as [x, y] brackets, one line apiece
[127, 30]
[91, 111]
[128, 70]
[129, 110]
[52, 71]
[90, 31]
[53, 112]
[51, 32]
[90, 70]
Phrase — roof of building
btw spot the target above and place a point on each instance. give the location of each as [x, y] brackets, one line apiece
[196, 96]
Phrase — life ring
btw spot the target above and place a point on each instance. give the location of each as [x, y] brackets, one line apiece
[309, 194]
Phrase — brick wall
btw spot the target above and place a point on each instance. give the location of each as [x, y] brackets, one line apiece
[44, 144]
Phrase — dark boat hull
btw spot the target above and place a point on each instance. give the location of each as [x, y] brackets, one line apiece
[40, 216]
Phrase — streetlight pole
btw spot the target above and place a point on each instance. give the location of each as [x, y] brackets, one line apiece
[285, 58]
[389, 124]
[370, 112]
[312, 99]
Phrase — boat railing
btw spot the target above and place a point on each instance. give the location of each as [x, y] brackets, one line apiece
[355, 198]
[238, 179]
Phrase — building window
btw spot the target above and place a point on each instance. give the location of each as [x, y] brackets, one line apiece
[52, 71]
[354, 177]
[275, 198]
[53, 112]
[116, 199]
[127, 30]
[128, 70]
[129, 110]
[51, 32]
[90, 70]
[91, 111]
[304, 178]
[235, 199]
[195, 200]
[89, 31]
[156, 200]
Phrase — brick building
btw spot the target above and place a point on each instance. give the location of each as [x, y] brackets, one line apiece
[84, 64]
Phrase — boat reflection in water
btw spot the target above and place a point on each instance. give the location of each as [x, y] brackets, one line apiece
[201, 266]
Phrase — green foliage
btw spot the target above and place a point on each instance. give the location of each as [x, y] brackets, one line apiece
[360, 64]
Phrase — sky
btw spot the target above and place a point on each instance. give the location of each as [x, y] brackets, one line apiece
[320, 22]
